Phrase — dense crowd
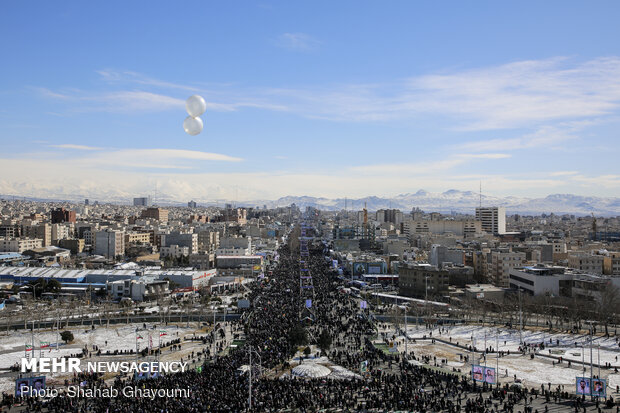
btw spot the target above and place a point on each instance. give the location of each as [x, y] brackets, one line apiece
[274, 328]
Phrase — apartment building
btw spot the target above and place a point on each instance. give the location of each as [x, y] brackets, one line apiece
[493, 219]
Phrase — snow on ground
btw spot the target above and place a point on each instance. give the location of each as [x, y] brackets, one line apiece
[533, 372]
[10, 359]
[119, 337]
[560, 344]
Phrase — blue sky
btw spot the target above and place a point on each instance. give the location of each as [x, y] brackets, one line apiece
[346, 98]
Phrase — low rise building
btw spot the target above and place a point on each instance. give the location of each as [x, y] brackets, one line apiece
[561, 282]
[486, 292]
[587, 262]
[174, 251]
[138, 290]
[19, 244]
[420, 280]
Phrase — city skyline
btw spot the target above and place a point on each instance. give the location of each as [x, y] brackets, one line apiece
[323, 100]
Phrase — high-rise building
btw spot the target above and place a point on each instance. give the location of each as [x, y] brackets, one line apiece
[493, 219]
[143, 201]
[191, 204]
[60, 215]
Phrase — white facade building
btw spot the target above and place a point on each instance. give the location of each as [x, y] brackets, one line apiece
[493, 219]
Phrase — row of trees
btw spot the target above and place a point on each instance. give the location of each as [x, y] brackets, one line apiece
[564, 313]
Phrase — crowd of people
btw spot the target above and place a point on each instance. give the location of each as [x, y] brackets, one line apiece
[275, 328]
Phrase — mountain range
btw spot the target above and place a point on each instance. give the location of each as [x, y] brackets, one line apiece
[449, 201]
[461, 202]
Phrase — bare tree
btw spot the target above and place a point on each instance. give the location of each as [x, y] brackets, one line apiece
[609, 306]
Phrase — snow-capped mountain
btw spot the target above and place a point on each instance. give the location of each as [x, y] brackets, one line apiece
[451, 200]
[462, 202]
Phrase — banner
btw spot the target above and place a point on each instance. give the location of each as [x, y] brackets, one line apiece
[489, 375]
[477, 374]
[29, 385]
[583, 386]
[21, 386]
[599, 387]
[483, 374]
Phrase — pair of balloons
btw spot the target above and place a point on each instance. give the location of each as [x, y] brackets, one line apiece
[195, 106]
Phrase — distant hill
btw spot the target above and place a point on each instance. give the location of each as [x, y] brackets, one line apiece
[452, 200]
[462, 202]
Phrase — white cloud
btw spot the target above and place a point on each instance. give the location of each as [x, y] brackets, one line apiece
[111, 159]
[298, 41]
[120, 101]
[514, 95]
[528, 94]
[168, 159]
[485, 155]
[525, 92]
[76, 147]
[545, 136]
[442, 167]
[399, 169]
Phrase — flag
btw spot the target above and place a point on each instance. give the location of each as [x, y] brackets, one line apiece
[199, 369]
[308, 303]
[45, 344]
[151, 342]
[363, 304]
[162, 333]
[28, 347]
[139, 337]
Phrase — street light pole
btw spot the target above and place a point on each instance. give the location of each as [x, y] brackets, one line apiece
[591, 367]
[250, 380]
[406, 335]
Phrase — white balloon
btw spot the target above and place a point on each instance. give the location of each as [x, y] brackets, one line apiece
[192, 126]
[195, 106]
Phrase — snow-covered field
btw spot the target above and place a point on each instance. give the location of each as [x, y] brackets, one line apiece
[567, 346]
[120, 337]
[533, 372]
